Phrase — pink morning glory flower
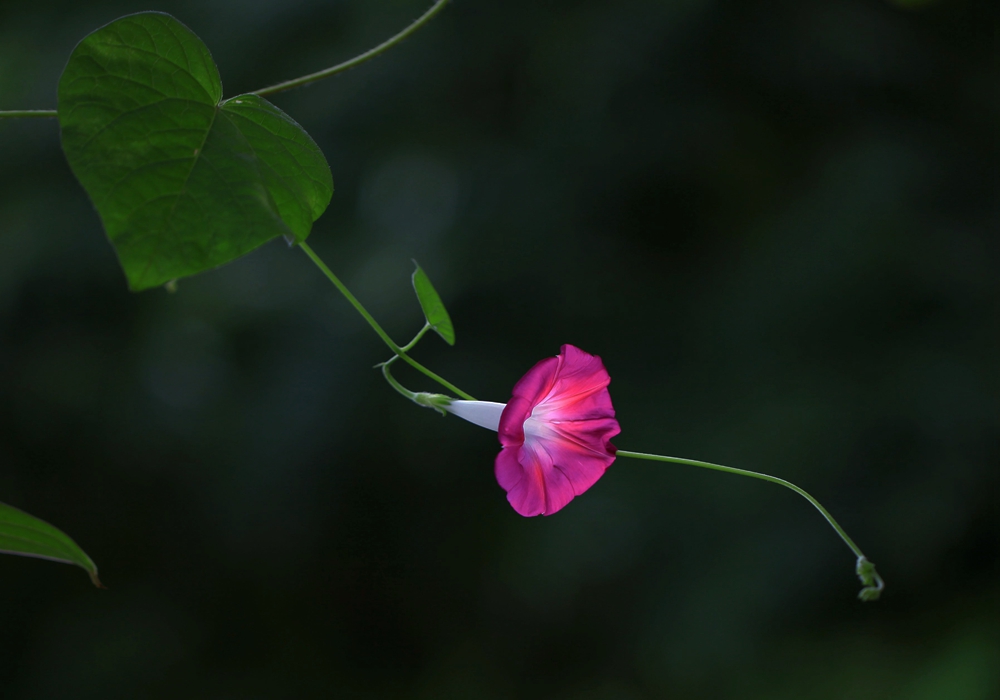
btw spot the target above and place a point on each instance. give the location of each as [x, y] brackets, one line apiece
[554, 431]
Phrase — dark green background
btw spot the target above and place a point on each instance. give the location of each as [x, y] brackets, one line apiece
[777, 224]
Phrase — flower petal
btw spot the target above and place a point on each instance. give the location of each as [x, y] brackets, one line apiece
[511, 428]
[582, 457]
[533, 486]
[566, 387]
[557, 491]
[555, 433]
[534, 385]
[578, 388]
[525, 487]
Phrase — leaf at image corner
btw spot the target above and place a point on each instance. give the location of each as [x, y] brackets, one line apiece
[27, 536]
[434, 311]
[183, 181]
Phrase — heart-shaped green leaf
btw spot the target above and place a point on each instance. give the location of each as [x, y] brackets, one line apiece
[184, 181]
[28, 536]
[434, 311]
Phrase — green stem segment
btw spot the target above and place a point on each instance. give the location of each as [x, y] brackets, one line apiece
[357, 60]
[29, 114]
[416, 339]
[400, 352]
[412, 396]
[288, 84]
[865, 569]
[439, 402]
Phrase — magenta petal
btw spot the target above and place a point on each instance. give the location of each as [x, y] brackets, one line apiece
[555, 433]
[533, 485]
[581, 465]
[511, 429]
[534, 385]
[578, 390]
[525, 487]
[557, 490]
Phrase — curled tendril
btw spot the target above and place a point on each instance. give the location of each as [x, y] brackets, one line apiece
[872, 582]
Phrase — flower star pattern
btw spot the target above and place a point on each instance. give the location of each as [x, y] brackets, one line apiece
[555, 432]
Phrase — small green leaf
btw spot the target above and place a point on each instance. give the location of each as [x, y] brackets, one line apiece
[434, 311]
[183, 180]
[28, 536]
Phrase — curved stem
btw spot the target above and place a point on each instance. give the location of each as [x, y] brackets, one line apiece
[412, 396]
[439, 402]
[865, 568]
[416, 339]
[29, 114]
[376, 327]
[357, 60]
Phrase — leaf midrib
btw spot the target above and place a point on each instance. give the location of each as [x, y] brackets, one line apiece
[173, 207]
[126, 113]
[43, 538]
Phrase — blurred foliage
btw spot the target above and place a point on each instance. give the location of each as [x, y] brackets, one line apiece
[775, 222]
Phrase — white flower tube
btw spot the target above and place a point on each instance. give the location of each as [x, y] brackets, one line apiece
[485, 414]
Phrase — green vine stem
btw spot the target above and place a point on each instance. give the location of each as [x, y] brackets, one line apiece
[416, 339]
[411, 395]
[865, 569]
[357, 60]
[29, 114]
[439, 402]
[288, 84]
[397, 350]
